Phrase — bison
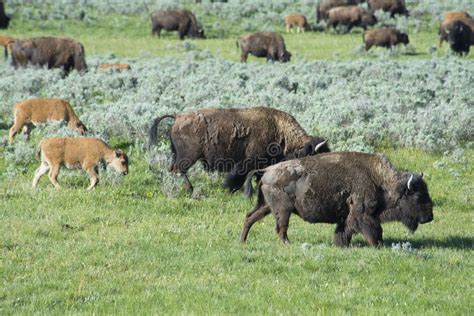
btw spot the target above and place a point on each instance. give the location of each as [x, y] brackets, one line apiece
[350, 16]
[183, 21]
[263, 44]
[325, 5]
[443, 35]
[77, 153]
[117, 67]
[355, 191]
[53, 52]
[298, 21]
[460, 37]
[6, 41]
[384, 37]
[454, 15]
[235, 141]
[4, 18]
[38, 111]
[392, 6]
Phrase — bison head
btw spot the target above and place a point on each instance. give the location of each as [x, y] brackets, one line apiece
[312, 147]
[120, 162]
[403, 38]
[81, 128]
[414, 205]
[368, 19]
[284, 56]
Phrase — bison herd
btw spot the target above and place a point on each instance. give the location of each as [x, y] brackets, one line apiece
[295, 172]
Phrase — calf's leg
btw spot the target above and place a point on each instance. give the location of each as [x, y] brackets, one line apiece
[13, 131]
[94, 177]
[43, 168]
[53, 175]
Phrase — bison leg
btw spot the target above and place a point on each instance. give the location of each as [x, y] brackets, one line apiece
[288, 28]
[282, 222]
[94, 177]
[342, 236]
[41, 171]
[372, 230]
[244, 56]
[13, 131]
[27, 131]
[53, 176]
[235, 178]
[252, 217]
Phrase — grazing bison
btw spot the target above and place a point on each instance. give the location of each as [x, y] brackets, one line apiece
[263, 44]
[355, 191]
[6, 41]
[384, 37]
[77, 153]
[350, 16]
[298, 21]
[460, 37]
[443, 35]
[235, 141]
[38, 111]
[182, 21]
[4, 18]
[53, 52]
[105, 67]
[324, 6]
[392, 6]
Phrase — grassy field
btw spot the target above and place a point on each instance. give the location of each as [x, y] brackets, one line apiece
[126, 248]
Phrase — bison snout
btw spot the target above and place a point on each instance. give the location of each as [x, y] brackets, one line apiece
[425, 219]
[124, 173]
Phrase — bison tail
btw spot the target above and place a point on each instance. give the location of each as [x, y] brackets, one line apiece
[38, 151]
[248, 189]
[152, 134]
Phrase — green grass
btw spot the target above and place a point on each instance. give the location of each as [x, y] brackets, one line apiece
[127, 248]
[130, 36]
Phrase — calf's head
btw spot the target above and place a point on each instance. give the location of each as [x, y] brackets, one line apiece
[80, 127]
[120, 162]
[284, 56]
[414, 205]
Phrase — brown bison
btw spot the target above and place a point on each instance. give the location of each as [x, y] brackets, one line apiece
[263, 44]
[350, 16]
[77, 153]
[4, 18]
[384, 37]
[460, 37]
[443, 35]
[6, 41]
[39, 111]
[182, 21]
[118, 67]
[324, 6]
[392, 6]
[235, 141]
[355, 191]
[53, 52]
[298, 21]
[454, 15]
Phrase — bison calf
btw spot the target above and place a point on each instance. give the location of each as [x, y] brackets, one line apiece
[350, 16]
[39, 111]
[105, 67]
[385, 37]
[235, 141]
[77, 153]
[355, 191]
[298, 21]
[264, 44]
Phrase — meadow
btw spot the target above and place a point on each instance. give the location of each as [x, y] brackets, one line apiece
[138, 244]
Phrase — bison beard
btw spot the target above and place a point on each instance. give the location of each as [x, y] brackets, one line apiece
[254, 138]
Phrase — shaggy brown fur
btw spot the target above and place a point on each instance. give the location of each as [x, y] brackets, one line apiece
[350, 16]
[298, 21]
[355, 191]
[105, 67]
[40, 111]
[5, 41]
[183, 21]
[385, 37]
[78, 153]
[263, 44]
[53, 52]
[325, 5]
[454, 15]
[460, 37]
[236, 141]
[443, 35]
[392, 6]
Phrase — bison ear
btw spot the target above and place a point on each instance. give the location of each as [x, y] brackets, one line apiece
[308, 149]
[118, 153]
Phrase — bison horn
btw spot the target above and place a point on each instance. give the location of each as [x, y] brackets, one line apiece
[319, 146]
[409, 182]
[421, 175]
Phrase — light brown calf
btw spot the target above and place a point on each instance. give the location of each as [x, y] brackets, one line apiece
[77, 153]
[5, 41]
[38, 111]
[298, 21]
[104, 67]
